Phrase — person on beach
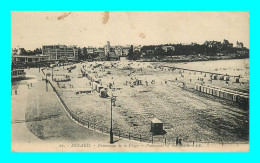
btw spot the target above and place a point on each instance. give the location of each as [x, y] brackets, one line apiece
[180, 143]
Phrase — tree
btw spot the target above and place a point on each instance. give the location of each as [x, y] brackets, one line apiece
[80, 54]
[159, 51]
[85, 52]
[136, 55]
[131, 53]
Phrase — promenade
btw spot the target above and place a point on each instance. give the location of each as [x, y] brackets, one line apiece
[40, 123]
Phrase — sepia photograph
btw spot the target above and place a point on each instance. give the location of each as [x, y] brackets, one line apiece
[129, 81]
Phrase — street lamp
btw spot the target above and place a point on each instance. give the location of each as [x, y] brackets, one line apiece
[52, 73]
[113, 99]
[46, 80]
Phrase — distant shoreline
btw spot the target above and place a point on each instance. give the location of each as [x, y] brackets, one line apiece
[179, 59]
[194, 60]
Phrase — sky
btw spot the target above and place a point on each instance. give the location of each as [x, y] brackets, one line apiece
[33, 29]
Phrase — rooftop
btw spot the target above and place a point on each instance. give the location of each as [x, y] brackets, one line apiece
[155, 120]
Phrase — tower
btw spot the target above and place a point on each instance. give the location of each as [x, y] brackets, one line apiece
[108, 46]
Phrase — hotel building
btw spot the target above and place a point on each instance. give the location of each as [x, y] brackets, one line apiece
[60, 52]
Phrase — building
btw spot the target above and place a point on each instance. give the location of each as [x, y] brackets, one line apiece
[226, 44]
[28, 59]
[167, 48]
[17, 74]
[90, 50]
[125, 49]
[239, 45]
[107, 48]
[60, 52]
[99, 51]
[118, 50]
[137, 48]
[214, 44]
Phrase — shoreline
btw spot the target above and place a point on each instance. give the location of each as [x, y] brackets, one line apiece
[188, 61]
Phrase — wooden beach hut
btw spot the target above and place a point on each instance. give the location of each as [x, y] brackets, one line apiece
[230, 96]
[226, 78]
[225, 94]
[217, 92]
[205, 89]
[211, 90]
[103, 93]
[235, 97]
[246, 100]
[214, 76]
[156, 126]
[208, 90]
[237, 79]
[220, 77]
[221, 94]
